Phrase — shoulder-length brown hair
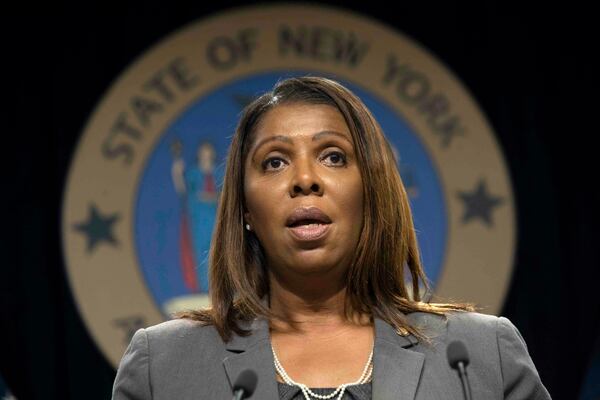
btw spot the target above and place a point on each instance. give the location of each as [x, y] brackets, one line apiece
[387, 248]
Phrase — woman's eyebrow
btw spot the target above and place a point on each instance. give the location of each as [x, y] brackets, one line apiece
[287, 139]
[319, 135]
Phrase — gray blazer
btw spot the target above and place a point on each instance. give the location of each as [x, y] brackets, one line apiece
[180, 360]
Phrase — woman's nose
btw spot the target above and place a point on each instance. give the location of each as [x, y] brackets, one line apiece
[305, 179]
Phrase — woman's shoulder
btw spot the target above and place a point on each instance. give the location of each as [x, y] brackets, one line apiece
[162, 356]
[464, 325]
[473, 320]
[492, 343]
[181, 330]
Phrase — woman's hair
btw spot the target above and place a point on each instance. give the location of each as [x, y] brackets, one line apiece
[387, 254]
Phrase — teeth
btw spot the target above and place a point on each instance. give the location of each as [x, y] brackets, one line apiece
[309, 224]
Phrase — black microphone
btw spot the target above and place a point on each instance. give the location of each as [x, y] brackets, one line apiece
[458, 358]
[244, 384]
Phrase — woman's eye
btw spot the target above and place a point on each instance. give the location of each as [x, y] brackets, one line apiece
[336, 158]
[274, 162]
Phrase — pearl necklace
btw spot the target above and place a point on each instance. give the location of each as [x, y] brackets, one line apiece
[364, 378]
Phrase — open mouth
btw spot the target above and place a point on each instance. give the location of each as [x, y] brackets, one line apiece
[308, 230]
[307, 222]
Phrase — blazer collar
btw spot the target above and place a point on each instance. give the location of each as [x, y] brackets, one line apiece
[259, 331]
[253, 352]
[396, 371]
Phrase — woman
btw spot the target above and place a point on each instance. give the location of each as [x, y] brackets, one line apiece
[312, 248]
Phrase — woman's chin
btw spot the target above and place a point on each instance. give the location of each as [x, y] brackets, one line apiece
[314, 264]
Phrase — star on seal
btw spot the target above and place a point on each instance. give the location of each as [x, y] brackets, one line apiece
[97, 228]
[479, 204]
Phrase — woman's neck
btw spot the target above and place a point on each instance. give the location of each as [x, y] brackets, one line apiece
[310, 307]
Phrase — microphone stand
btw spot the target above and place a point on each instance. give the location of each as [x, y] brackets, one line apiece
[238, 394]
[464, 380]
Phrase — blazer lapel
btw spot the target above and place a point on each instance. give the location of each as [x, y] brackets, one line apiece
[396, 370]
[253, 352]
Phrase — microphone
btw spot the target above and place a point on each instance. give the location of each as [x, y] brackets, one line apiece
[458, 358]
[244, 384]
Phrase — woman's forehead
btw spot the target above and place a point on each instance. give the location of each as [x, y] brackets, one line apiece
[301, 119]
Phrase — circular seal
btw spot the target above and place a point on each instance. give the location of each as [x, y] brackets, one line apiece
[141, 196]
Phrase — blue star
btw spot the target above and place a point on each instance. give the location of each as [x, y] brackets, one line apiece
[479, 204]
[97, 228]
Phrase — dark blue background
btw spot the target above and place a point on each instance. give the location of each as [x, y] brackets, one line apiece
[529, 67]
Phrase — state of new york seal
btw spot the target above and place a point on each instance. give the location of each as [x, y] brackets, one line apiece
[143, 188]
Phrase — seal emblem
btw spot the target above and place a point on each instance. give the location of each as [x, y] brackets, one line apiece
[143, 187]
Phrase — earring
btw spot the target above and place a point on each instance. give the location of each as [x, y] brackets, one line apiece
[247, 227]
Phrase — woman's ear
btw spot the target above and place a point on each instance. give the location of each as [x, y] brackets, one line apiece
[247, 218]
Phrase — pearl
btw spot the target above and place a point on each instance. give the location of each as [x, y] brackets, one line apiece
[364, 378]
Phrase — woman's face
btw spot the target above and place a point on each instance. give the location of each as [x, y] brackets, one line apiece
[302, 156]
